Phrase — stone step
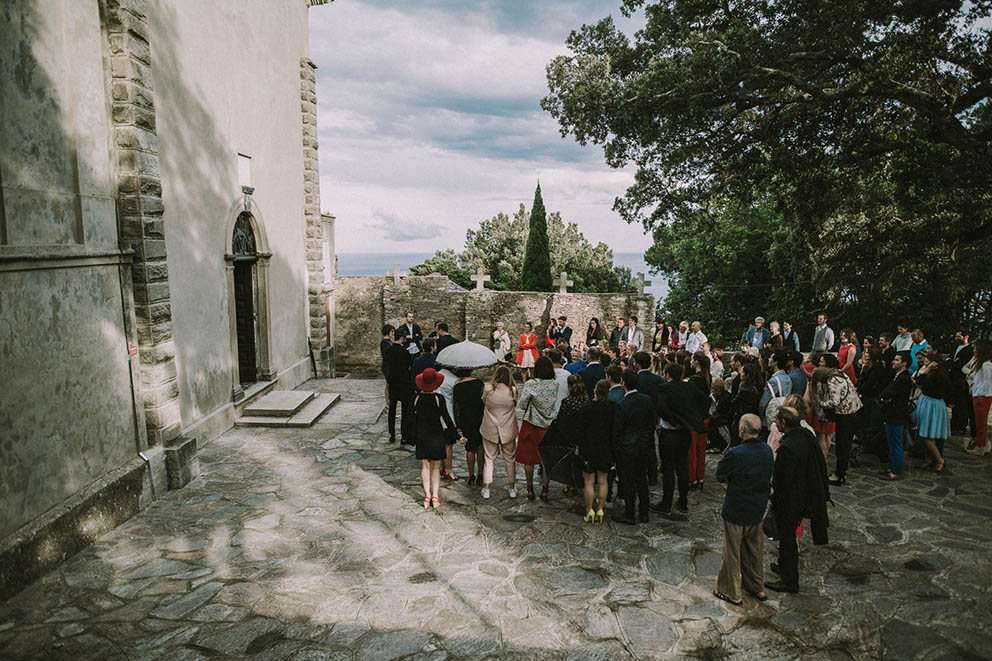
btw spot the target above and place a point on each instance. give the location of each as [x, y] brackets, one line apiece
[279, 404]
[305, 417]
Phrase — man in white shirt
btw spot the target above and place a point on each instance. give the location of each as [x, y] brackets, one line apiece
[633, 335]
[696, 338]
[823, 335]
[561, 376]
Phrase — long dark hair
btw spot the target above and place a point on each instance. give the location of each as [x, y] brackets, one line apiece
[983, 352]
[543, 368]
[752, 376]
[703, 364]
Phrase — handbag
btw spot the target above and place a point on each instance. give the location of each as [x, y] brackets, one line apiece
[774, 404]
[768, 524]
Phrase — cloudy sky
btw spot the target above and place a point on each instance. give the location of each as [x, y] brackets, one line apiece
[430, 121]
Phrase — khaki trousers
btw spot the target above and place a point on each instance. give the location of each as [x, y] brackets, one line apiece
[743, 549]
[492, 450]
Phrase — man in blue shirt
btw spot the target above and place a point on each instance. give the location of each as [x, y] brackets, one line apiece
[747, 471]
[780, 385]
[757, 335]
[576, 365]
[919, 344]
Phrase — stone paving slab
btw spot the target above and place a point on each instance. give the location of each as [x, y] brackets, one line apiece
[279, 403]
[313, 544]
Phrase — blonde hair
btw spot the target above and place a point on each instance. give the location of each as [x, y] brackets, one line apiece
[798, 403]
[774, 326]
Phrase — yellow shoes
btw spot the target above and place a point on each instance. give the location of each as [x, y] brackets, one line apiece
[590, 516]
[599, 515]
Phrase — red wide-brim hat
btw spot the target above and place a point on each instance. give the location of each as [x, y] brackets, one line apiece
[429, 380]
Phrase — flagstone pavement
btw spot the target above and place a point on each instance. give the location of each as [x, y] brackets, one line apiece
[314, 544]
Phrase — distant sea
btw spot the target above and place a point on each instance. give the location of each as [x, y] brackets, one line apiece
[381, 263]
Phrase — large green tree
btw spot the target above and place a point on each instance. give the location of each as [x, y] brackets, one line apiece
[497, 247]
[867, 123]
[536, 272]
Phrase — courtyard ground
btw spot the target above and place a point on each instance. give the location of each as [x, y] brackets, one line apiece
[314, 544]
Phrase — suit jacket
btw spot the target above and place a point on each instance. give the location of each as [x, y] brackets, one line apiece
[445, 341]
[681, 403]
[956, 363]
[800, 482]
[565, 334]
[420, 364]
[895, 400]
[636, 337]
[648, 383]
[591, 375]
[417, 337]
[634, 423]
[397, 362]
[615, 336]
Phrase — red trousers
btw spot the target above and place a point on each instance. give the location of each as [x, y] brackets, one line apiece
[697, 456]
[982, 405]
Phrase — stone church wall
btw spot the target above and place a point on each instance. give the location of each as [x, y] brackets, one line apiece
[364, 303]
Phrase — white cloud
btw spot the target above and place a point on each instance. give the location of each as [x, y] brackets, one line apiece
[394, 228]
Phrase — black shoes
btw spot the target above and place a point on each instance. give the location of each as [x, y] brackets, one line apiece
[780, 586]
[644, 518]
[656, 507]
[669, 514]
[629, 520]
[774, 568]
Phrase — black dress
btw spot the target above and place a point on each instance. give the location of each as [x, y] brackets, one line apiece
[596, 447]
[469, 409]
[428, 411]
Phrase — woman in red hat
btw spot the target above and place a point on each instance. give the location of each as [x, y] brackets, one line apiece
[429, 410]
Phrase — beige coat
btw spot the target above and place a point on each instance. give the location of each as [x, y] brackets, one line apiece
[499, 421]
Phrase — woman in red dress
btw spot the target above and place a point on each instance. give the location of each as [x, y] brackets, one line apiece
[847, 353]
[527, 354]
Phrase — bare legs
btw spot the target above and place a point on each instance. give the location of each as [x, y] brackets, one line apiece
[824, 441]
[473, 459]
[545, 480]
[448, 454]
[430, 478]
[937, 461]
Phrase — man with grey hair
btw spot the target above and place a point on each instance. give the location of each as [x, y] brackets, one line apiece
[747, 471]
[757, 334]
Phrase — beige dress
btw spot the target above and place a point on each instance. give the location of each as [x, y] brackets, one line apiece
[499, 420]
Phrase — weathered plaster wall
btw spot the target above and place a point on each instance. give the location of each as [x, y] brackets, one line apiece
[227, 81]
[363, 304]
[62, 335]
[66, 406]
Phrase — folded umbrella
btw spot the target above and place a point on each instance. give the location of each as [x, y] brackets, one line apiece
[466, 356]
[558, 458]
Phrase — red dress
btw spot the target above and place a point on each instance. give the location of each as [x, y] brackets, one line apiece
[527, 343]
[842, 354]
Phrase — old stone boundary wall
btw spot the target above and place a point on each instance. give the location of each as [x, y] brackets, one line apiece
[364, 303]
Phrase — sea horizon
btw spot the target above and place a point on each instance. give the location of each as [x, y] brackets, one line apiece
[382, 263]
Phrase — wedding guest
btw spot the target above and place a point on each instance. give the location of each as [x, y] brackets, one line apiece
[569, 424]
[817, 418]
[747, 471]
[963, 413]
[848, 353]
[593, 371]
[679, 406]
[444, 338]
[469, 410]
[617, 334]
[596, 449]
[895, 412]
[790, 337]
[775, 340]
[576, 364]
[527, 354]
[564, 330]
[694, 342]
[823, 335]
[633, 434]
[919, 344]
[633, 335]
[615, 380]
[930, 415]
[700, 378]
[561, 376]
[594, 333]
[661, 337]
[384, 344]
[904, 340]
[981, 394]
[838, 398]
[537, 408]
[499, 428]
[551, 335]
[398, 362]
[431, 420]
[501, 342]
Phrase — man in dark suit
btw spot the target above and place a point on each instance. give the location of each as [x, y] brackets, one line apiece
[896, 414]
[616, 335]
[679, 405]
[964, 410]
[428, 359]
[413, 333]
[564, 331]
[800, 490]
[444, 338]
[648, 383]
[593, 372]
[633, 435]
[398, 362]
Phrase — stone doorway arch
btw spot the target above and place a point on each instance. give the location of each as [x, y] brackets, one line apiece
[247, 265]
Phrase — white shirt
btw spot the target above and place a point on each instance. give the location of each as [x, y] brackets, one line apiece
[413, 347]
[903, 342]
[695, 342]
[561, 376]
[447, 390]
[982, 384]
[716, 369]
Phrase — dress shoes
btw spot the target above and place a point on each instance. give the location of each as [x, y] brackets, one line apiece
[779, 586]
[629, 520]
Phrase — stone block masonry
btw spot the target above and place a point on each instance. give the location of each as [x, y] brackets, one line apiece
[364, 304]
[317, 287]
[140, 211]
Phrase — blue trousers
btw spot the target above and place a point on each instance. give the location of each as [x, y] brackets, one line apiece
[893, 433]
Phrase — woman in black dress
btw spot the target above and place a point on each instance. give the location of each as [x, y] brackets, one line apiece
[429, 410]
[469, 409]
[596, 447]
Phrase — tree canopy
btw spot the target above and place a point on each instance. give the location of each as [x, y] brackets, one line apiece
[497, 246]
[863, 125]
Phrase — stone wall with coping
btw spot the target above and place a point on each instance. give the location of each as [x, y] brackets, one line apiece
[364, 303]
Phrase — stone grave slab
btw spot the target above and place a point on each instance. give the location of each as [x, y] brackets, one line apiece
[279, 403]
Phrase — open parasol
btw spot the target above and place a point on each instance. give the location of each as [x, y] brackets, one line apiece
[466, 356]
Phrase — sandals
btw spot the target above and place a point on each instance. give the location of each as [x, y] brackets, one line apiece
[427, 502]
[530, 493]
[544, 493]
[939, 468]
[720, 595]
[760, 596]
[435, 502]
[833, 480]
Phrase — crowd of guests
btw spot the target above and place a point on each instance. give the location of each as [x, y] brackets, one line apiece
[631, 407]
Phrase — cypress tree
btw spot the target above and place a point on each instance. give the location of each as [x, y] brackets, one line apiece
[536, 272]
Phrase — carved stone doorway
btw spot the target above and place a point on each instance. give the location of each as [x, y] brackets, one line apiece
[248, 307]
